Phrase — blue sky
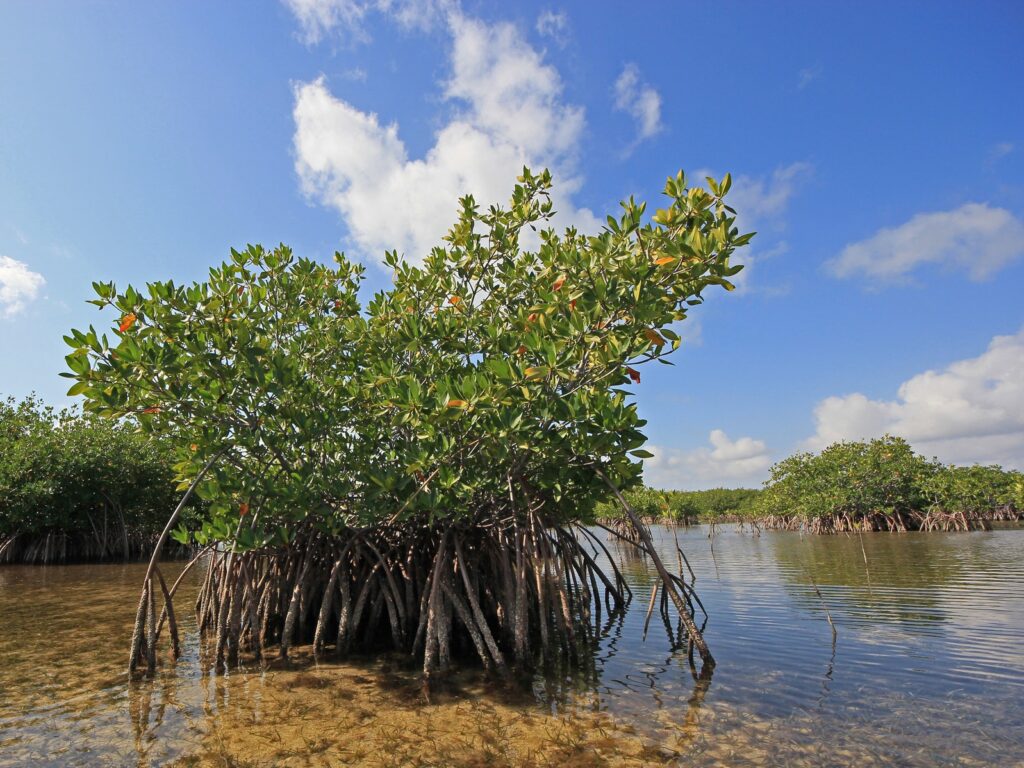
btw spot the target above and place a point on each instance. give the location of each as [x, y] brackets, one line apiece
[878, 149]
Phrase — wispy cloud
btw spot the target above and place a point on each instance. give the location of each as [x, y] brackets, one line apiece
[640, 100]
[762, 203]
[1000, 150]
[355, 74]
[554, 26]
[808, 75]
[975, 237]
[347, 18]
[318, 17]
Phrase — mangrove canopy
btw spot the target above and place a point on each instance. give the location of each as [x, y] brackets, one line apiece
[413, 473]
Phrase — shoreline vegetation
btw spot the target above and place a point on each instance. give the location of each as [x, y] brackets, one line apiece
[414, 473]
[78, 488]
[849, 487]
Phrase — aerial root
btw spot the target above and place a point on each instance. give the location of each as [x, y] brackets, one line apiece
[513, 594]
[900, 521]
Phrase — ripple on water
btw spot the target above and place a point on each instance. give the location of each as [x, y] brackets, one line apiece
[927, 669]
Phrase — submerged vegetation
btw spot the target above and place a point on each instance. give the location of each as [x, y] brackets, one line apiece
[882, 485]
[76, 487]
[413, 474]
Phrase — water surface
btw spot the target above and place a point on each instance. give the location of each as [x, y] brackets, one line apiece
[927, 668]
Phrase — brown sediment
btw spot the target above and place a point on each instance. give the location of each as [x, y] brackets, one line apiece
[377, 720]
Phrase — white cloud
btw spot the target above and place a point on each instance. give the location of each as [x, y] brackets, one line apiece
[726, 463]
[762, 201]
[553, 25]
[972, 411]
[18, 285]
[639, 100]
[808, 75]
[975, 237]
[508, 112]
[319, 18]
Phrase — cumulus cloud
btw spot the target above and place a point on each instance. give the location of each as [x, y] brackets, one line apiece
[18, 285]
[508, 111]
[971, 411]
[725, 462]
[553, 25]
[974, 237]
[639, 100]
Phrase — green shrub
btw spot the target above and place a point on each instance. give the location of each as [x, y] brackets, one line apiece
[98, 483]
[972, 490]
[713, 504]
[882, 484]
[684, 506]
[851, 479]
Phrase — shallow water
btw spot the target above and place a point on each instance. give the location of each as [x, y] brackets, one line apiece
[927, 669]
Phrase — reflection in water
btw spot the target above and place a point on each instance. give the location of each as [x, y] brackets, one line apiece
[927, 669]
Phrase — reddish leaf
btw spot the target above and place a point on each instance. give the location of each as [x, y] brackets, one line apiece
[456, 403]
[521, 351]
[243, 509]
[654, 337]
[665, 260]
[634, 374]
[557, 285]
[454, 299]
[152, 409]
[127, 321]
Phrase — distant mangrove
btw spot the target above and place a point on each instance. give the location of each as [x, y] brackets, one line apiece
[77, 487]
[883, 485]
[673, 507]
